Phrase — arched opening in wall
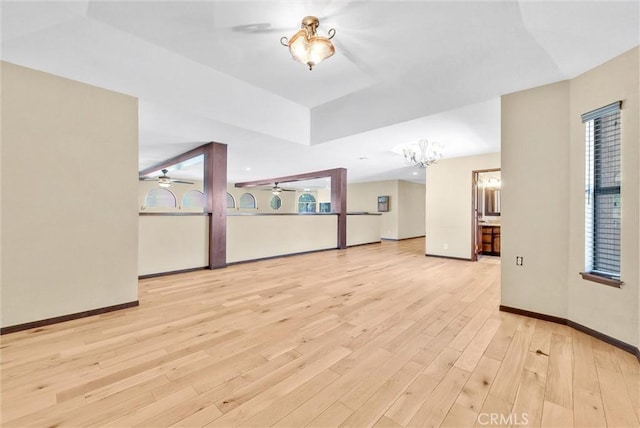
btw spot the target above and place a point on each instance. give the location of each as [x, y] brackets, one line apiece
[231, 203]
[160, 198]
[193, 199]
[275, 203]
[306, 203]
[247, 201]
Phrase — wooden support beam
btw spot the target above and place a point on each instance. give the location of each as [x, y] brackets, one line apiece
[291, 178]
[339, 203]
[215, 190]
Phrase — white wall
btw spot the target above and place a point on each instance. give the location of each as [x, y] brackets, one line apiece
[69, 235]
[449, 204]
[543, 156]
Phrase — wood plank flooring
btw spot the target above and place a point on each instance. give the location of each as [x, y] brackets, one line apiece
[377, 335]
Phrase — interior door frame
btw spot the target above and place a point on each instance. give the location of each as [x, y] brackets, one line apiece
[475, 240]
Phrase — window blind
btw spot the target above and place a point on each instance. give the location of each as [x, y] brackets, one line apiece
[602, 191]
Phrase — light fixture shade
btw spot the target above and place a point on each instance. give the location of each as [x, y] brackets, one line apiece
[310, 51]
[163, 183]
[306, 46]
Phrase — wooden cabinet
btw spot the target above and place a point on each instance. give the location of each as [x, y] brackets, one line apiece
[491, 240]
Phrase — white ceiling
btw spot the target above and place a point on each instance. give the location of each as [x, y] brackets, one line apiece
[215, 71]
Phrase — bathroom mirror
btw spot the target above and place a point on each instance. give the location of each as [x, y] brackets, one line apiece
[491, 201]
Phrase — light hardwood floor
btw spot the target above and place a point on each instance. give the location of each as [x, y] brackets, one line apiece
[377, 335]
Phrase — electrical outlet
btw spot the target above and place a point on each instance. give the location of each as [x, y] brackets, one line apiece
[519, 260]
[445, 246]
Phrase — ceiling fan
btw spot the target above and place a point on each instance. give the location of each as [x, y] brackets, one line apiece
[164, 180]
[277, 189]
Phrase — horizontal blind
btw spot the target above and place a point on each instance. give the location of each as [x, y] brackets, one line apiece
[602, 201]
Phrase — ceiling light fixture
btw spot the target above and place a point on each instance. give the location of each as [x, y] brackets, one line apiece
[306, 46]
[494, 182]
[427, 154]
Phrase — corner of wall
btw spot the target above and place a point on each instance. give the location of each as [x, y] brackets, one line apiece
[543, 200]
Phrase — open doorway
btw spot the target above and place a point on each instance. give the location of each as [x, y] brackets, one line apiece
[486, 213]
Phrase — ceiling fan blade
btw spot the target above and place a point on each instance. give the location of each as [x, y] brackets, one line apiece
[180, 181]
[258, 27]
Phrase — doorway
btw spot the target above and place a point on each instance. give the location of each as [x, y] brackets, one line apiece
[486, 228]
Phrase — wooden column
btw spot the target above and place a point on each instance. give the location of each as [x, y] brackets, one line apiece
[339, 203]
[215, 190]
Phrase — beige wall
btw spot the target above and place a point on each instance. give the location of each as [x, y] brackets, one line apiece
[170, 243]
[609, 310]
[69, 234]
[405, 218]
[411, 219]
[535, 192]
[363, 197]
[543, 200]
[363, 229]
[255, 237]
[449, 202]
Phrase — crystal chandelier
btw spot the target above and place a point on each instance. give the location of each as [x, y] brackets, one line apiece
[306, 46]
[427, 154]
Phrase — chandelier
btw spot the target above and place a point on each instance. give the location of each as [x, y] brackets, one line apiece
[427, 154]
[306, 46]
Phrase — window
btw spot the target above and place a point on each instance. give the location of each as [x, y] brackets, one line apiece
[275, 203]
[325, 207]
[231, 203]
[247, 200]
[160, 198]
[602, 194]
[306, 203]
[193, 199]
